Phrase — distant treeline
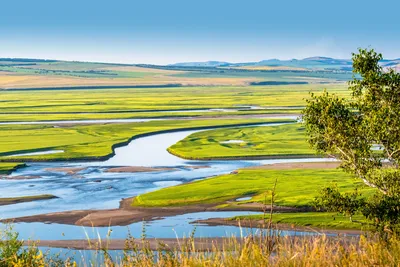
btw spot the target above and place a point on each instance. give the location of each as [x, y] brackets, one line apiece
[276, 83]
[27, 60]
[227, 69]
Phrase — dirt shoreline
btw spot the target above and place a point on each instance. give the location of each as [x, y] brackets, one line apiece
[16, 200]
[127, 214]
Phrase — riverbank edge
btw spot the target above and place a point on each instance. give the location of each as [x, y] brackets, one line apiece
[258, 157]
[16, 200]
[121, 144]
[259, 224]
[13, 169]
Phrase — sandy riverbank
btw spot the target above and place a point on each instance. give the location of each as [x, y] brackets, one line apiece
[126, 214]
[15, 200]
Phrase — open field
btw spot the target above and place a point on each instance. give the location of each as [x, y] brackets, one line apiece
[28, 117]
[159, 99]
[39, 73]
[295, 188]
[270, 68]
[279, 141]
[320, 220]
[90, 141]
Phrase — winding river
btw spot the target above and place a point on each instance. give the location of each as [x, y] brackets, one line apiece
[95, 188]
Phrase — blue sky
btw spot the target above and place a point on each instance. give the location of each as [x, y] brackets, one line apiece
[162, 32]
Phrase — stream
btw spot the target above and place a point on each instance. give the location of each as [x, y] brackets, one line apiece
[94, 188]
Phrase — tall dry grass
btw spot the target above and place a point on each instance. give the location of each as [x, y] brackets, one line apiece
[261, 250]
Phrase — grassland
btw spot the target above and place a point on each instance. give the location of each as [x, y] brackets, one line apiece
[275, 141]
[89, 141]
[322, 220]
[295, 188]
[39, 73]
[156, 99]
[142, 115]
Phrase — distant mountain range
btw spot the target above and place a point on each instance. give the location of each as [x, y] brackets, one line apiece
[306, 63]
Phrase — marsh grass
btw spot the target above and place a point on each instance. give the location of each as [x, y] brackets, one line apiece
[253, 250]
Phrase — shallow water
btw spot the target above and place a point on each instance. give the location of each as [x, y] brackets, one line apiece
[169, 227]
[94, 188]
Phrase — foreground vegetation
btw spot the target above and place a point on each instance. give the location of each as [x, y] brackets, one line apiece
[267, 250]
[316, 220]
[275, 141]
[363, 134]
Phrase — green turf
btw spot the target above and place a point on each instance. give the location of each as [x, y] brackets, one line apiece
[322, 220]
[295, 187]
[7, 167]
[89, 141]
[279, 141]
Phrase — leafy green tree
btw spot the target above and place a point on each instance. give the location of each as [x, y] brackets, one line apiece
[331, 199]
[363, 132]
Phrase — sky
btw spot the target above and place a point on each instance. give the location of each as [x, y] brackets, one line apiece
[170, 31]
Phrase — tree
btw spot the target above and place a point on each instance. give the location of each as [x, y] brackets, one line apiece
[363, 132]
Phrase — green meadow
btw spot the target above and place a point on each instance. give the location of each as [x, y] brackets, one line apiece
[295, 188]
[274, 141]
[322, 220]
[156, 99]
[91, 141]
[138, 115]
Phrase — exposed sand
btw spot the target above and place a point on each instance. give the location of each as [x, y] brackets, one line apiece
[126, 214]
[66, 170]
[138, 169]
[19, 177]
[15, 200]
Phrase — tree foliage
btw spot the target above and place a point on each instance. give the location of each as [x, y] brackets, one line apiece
[363, 132]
